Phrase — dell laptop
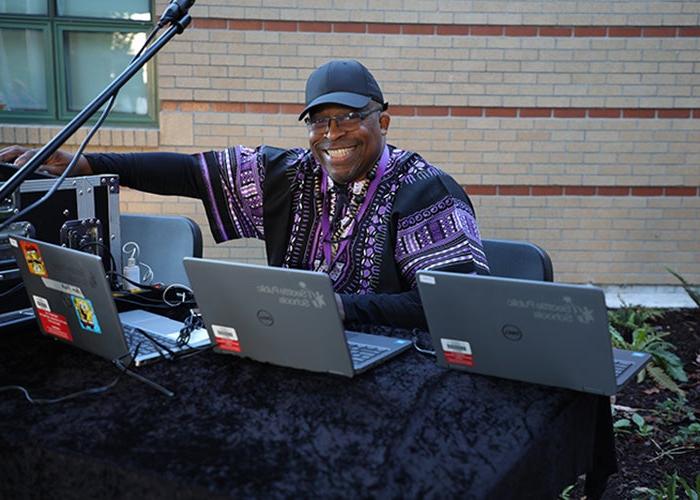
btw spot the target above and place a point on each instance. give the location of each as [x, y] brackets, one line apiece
[282, 316]
[73, 302]
[541, 332]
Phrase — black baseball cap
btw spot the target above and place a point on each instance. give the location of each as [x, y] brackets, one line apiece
[343, 81]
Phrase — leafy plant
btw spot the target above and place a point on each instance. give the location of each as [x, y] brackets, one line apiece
[622, 425]
[665, 368]
[643, 429]
[675, 410]
[628, 318]
[692, 292]
[670, 488]
[690, 434]
[566, 493]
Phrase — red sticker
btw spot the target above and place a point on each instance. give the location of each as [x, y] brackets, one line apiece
[456, 358]
[226, 338]
[35, 263]
[55, 324]
[228, 344]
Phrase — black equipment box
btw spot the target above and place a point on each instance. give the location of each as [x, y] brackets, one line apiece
[82, 214]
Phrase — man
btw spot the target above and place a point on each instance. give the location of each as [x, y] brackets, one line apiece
[368, 214]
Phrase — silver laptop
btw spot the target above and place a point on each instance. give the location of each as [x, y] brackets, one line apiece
[545, 333]
[73, 302]
[282, 316]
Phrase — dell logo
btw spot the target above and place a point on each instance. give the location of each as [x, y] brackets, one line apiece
[512, 332]
[265, 317]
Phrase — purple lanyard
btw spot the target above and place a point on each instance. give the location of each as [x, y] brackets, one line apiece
[325, 217]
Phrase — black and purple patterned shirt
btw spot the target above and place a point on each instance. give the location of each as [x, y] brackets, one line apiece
[418, 218]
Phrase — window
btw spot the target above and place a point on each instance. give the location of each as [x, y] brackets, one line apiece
[57, 55]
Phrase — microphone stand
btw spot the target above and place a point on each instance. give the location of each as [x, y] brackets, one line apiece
[177, 26]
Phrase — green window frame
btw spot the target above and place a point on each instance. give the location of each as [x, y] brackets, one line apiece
[54, 28]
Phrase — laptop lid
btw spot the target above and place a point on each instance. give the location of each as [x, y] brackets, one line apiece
[71, 297]
[73, 302]
[541, 332]
[287, 317]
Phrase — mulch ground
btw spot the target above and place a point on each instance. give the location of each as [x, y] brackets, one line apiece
[641, 462]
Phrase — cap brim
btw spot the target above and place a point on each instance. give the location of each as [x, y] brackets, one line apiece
[349, 99]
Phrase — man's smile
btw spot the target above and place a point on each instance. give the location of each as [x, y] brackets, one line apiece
[339, 154]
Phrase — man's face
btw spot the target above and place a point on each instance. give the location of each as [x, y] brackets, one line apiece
[347, 156]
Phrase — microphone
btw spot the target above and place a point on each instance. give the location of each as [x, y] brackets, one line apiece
[175, 11]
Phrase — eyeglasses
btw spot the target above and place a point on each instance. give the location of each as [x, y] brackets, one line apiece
[347, 122]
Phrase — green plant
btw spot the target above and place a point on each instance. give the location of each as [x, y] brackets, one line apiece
[688, 435]
[670, 488]
[643, 429]
[675, 410]
[566, 493]
[628, 318]
[692, 292]
[622, 425]
[665, 366]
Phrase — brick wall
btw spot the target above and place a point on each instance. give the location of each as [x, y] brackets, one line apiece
[574, 125]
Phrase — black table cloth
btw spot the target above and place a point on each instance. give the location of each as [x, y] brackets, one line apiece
[238, 428]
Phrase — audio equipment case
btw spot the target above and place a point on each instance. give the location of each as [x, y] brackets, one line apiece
[83, 214]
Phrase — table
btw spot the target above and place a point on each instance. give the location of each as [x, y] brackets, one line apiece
[238, 428]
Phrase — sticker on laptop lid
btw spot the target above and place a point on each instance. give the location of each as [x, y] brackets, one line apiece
[41, 303]
[13, 242]
[54, 324]
[226, 338]
[59, 286]
[427, 279]
[457, 352]
[86, 314]
[32, 255]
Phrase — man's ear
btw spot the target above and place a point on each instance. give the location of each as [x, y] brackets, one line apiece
[384, 121]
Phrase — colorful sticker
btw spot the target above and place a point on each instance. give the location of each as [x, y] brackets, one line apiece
[226, 338]
[457, 352]
[54, 324]
[62, 287]
[86, 314]
[32, 255]
[41, 303]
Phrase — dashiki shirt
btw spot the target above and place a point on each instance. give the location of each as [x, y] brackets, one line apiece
[410, 216]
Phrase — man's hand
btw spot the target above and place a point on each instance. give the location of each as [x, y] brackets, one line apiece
[56, 163]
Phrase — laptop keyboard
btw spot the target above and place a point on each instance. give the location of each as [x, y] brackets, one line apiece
[362, 353]
[621, 366]
[134, 338]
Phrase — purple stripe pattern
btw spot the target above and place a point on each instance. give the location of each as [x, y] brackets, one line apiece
[444, 233]
[218, 228]
[415, 205]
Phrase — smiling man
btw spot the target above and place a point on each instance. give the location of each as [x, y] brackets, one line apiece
[367, 213]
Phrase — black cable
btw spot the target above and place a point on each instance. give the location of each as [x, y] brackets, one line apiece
[145, 286]
[193, 351]
[159, 346]
[146, 299]
[12, 290]
[192, 322]
[104, 247]
[94, 390]
[133, 302]
[172, 355]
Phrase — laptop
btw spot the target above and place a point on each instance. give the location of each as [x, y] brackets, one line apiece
[73, 302]
[541, 332]
[282, 316]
